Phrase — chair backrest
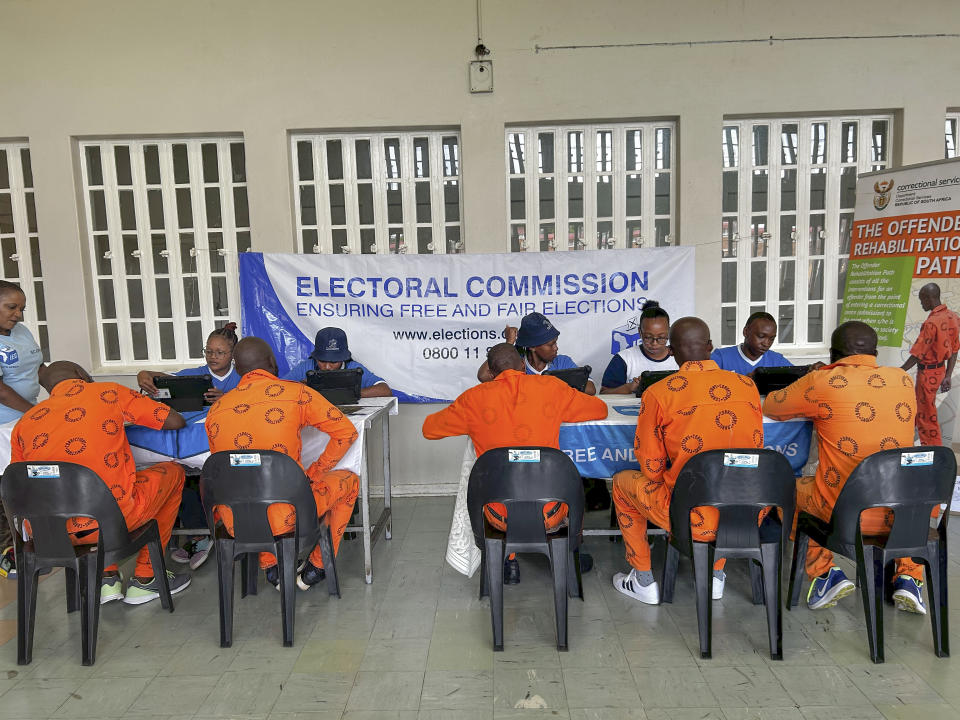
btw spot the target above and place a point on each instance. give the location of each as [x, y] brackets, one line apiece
[248, 482]
[739, 482]
[525, 479]
[910, 481]
[46, 494]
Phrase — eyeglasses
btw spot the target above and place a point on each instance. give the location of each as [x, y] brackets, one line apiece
[658, 340]
[215, 353]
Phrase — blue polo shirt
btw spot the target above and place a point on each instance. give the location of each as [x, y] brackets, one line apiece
[732, 358]
[225, 384]
[560, 362]
[298, 373]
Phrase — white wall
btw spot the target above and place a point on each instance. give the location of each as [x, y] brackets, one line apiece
[128, 67]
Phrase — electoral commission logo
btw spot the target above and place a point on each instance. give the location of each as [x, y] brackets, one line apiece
[9, 355]
[882, 189]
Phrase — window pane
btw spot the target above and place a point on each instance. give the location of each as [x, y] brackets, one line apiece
[168, 348]
[305, 160]
[111, 341]
[758, 281]
[164, 304]
[211, 170]
[308, 207]
[424, 240]
[575, 197]
[815, 280]
[545, 146]
[787, 280]
[422, 197]
[238, 162]
[98, 211]
[634, 233]
[135, 298]
[363, 159]
[879, 141]
[339, 241]
[729, 237]
[517, 199]
[848, 187]
[4, 171]
[662, 230]
[195, 339]
[788, 235]
[728, 326]
[575, 152]
[26, 166]
[728, 282]
[159, 245]
[761, 143]
[139, 337]
[731, 179]
[634, 195]
[547, 208]
[155, 208]
[789, 139]
[212, 195]
[131, 254]
[101, 249]
[35, 257]
[758, 196]
[368, 241]
[241, 211]
[11, 270]
[604, 196]
[334, 159]
[604, 150]
[218, 288]
[365, 203]
[121, 158]
[842, 276]
[661, 198]
[184, 208]
[108, 308]
[451, 201]
[788, 190]
[454, 243]
[605, 237]
[818, 143]
[731, 147]
[151, 163]
[548, 239]
[817, 235]
[391, 157]
[338, 209]
[818, 189]
[421, 157]
[518, 238]
[31, 212]
[515, 145]
[846, 227]
[785, 324]
[450, 147]
[634, 149]
[814, 323]
[94, 170]
[395, 203]
[215, 243]
[848, 142]
[663, 158]
[181, 169]
[128, 216]
[40, 309]
[6, 213]
[575, 238]
[310, 242]
[758, 236]
[191, 297]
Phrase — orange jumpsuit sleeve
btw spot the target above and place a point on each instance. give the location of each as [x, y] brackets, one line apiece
[140, 409]
[16, 446]
[327, 418]
[928, 332]
[797, 400]
[449, 422]
[581, 407]
[648, 443]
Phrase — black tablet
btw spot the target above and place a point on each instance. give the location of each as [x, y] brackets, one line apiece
[339, 387]
[574, 377]
[650, 377]
[184, 393]
[770, 379]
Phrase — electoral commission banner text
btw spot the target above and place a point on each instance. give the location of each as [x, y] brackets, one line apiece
[424, 322]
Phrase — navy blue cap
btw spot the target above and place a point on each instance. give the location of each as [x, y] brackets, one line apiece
[330, 346]
[536, 330]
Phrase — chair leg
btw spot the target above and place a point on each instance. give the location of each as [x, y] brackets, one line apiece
[160, 570]
[560, 558]
[936, 568]
[484, 585]
[494, 556]
[73, 589]
[287, 560]
[671, 565]
[574, 576]
[329, 560]
[772, 555]
[756, 582]
[26, 606]
[249, 569]
[796, 569]
[225, 560]
[870, 571]
[703, 580]
[91, 575]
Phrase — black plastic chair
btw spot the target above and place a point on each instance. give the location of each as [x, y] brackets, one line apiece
[911, 485]
[739, 492]
[46, 503]
[502, 475]
[248, 490]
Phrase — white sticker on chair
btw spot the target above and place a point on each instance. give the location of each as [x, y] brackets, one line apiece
[913, 459]
[244, 459]
[747, 460]
[523, 455]
[43, 471]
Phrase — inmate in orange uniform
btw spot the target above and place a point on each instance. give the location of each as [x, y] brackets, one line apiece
[858, 409]
[701, 407]
[515, 409]
[82, 422]
[939, 339]
[265, 413]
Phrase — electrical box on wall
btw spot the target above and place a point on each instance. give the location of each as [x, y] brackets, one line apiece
[481, 76]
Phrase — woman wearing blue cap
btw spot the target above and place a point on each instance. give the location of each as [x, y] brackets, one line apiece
[536, 340]
[330, 352]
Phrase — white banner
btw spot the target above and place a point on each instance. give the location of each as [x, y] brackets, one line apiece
[424, 322]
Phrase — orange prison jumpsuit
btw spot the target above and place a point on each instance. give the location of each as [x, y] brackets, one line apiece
[82, 423]
[515, 409]
[701, 407]
[264, 413]
[938, 340]
[858, 409]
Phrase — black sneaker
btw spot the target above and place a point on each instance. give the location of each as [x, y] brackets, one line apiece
[310, 575]
[511, 572]
[586, 562]
[273, 576]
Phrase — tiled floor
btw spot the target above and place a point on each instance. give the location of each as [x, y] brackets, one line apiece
[416, 644]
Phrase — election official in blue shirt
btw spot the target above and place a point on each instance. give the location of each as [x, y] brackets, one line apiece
[537, 342]
[330, 352]
[754, 352]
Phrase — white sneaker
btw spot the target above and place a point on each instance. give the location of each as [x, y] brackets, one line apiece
[629, 585]
[719, 582]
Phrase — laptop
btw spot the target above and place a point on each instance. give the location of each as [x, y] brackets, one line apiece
[184, 393]
[574, 377]
[650, 377]
[771, 379]
[339, 387]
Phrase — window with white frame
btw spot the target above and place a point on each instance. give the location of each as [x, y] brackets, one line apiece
[165, 221]
[789, 191]
[951, 136]
[378, 193]
[609, 185]
[19, 240]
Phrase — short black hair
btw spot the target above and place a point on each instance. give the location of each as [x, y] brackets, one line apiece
[7, 286]
[759, 315]
[651, 310]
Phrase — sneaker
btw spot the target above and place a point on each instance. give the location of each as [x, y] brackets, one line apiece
[201, 551]
[719, 582]
[629, 585]
[586, 562]
[182, 555]
[827, 589]
[908, 595]
[310, 575]
[139, 592]
[111, 588]
[273, 576]
[511, 571]
[8, 563]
